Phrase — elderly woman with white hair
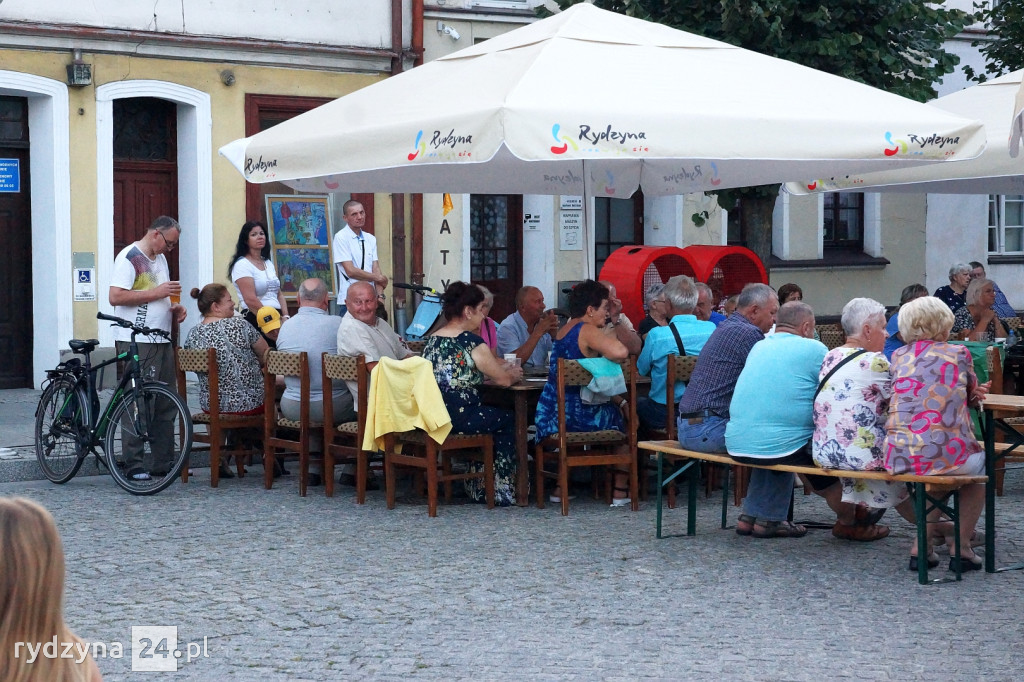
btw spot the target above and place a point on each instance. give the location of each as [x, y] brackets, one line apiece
[657, 310]
[850, 412]
[954, 294]
[977, 321]
[929, 430]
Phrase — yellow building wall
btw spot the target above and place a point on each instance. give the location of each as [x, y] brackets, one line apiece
[228, 116]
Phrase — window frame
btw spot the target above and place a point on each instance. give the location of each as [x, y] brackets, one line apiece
[832, 204]
[997, 209]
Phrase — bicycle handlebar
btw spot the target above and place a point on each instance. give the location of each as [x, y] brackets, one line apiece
[121, 322]
[418, 288]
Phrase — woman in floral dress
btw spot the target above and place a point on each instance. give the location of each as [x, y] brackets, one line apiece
[461, 361]
[851, 409]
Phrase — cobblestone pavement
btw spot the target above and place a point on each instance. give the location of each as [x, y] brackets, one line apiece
[286, 588]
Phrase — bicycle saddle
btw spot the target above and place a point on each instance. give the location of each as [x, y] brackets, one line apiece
[80, 346]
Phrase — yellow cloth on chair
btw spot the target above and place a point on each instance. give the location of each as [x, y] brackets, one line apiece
[404, 396]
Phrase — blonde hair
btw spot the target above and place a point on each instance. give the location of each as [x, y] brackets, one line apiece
[925, 318]
[32, 595]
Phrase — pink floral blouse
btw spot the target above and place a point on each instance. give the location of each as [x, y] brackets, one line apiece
[929, 428]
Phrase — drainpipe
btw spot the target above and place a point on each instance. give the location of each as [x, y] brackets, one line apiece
[417, 199]
[397, 199]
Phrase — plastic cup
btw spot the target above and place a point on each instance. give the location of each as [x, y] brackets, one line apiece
[513, 359]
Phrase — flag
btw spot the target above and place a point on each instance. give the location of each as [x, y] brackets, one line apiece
[446, 202]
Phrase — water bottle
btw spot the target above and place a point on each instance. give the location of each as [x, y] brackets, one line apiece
[1011, 340]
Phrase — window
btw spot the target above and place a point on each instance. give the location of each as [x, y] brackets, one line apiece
[1005, 224]
[735, 226]
[617, 223]
[843, 221]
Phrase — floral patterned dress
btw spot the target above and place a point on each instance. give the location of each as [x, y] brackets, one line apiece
[240, 379]
[929, 428]
[578, 417]
[849, 424]
[458, 378]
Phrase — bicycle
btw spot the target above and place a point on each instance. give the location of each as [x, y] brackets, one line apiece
[70, 425]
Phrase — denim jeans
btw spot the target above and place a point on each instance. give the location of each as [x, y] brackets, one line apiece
[708, 436]
[768, 495]
[652, 414]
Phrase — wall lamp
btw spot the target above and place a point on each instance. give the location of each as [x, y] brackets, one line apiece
[79, 73]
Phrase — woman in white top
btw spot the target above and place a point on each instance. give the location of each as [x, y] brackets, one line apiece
[253, 273]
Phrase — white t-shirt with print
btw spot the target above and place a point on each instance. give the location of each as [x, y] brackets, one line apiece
[134, 271]
[266, 282]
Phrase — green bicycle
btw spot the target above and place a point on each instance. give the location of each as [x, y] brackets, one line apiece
[143, 418]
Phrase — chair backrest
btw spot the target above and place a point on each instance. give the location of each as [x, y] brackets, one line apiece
[1012, 323]
[831, 335]
[678, 368]
[995, 369]
[280, 363]
[416, 346]
[200, 361]
[348, 368]
[572, 373]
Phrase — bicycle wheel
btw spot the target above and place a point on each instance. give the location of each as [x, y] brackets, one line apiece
[62, 420]
[148, 439]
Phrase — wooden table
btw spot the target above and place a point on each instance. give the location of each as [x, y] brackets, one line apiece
[998, 407]
[523, 394]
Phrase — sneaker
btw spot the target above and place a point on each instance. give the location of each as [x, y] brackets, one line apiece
[621, 502]
[141, 476]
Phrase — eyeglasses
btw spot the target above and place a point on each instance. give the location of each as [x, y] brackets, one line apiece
[167, 242]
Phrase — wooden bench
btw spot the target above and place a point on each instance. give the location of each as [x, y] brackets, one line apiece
[938, 486]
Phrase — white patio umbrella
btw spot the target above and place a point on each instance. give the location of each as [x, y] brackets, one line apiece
[1017, 125]
[998, 103]
[589, 102]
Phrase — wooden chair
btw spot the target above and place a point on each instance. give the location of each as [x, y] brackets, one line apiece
[342, 368]
[587, 448]
[416, 346]
[218, 426]
[831, 335]
[415, 449]
[284, 364]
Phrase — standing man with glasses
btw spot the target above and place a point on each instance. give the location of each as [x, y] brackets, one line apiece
[355, 254]
[142, 292]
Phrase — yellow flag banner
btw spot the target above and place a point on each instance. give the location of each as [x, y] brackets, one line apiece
[446, 202]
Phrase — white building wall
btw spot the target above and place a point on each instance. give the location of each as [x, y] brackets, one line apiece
[337, 22]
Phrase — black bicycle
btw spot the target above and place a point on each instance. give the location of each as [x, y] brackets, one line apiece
[145, 428]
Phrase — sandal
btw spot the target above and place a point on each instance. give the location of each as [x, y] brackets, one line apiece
[933, 561]
[745, 524]
[859, 533]
[778, 529]
[868, 516]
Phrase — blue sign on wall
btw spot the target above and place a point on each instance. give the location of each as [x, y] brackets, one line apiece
[10, 175]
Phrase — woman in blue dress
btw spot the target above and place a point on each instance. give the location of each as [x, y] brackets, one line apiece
[461, 361]
[589, 333]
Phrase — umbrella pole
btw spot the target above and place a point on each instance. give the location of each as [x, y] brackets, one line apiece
[587, 259]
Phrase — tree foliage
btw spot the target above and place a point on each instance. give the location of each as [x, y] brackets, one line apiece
[894, 45]
[1003, 45]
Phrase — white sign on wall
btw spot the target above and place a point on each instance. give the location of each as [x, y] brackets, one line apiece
[531, 221]
[570, 231]
[570, 202]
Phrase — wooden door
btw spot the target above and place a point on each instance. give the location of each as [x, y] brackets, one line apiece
[15, 250]
[496, 244]
[145, 169]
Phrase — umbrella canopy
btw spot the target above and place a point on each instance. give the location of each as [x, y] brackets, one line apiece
[590, 102]
[996, 171]
[1017, 125]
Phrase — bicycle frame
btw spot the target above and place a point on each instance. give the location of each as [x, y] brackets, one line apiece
[88, 396]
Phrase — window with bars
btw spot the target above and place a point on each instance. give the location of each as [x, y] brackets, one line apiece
[843, 221]
[1006, 224]
[489, 237]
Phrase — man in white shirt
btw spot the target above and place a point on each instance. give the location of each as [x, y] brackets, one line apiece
[363, 333]
[141, 291]
[355, 254]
